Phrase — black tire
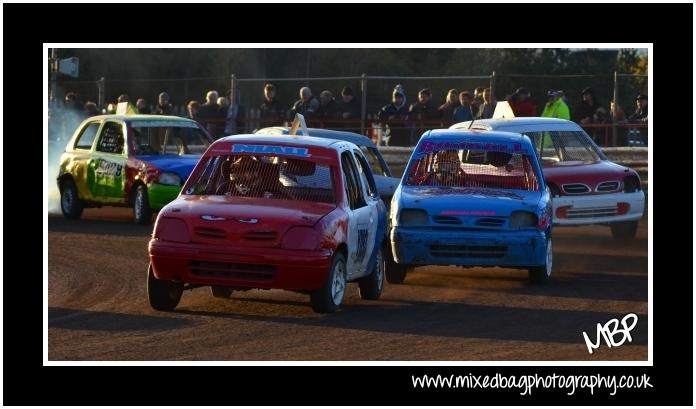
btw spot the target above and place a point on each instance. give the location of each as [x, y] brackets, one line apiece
[221, 292]
[163, 295]
[324, 300]
[70, 203]
[542, 274]
[372, 285]
[394, 272]
[142, 213]
[624, 231]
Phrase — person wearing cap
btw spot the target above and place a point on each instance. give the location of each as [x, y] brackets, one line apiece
[424, 109]
[522, 103]
[163, 105]
[555, 107]
[348, 106]
[396, 110]
[270, 110]
[446, 110]
[641, 116]
[589, 111]
[307, 105]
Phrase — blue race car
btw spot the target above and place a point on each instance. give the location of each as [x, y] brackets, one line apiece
[472, 198]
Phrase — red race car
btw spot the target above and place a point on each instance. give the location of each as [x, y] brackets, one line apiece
[284, 212]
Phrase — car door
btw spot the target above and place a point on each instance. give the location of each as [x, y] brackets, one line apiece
[377, 210]
[359, 217]
[107, 167]
[80, 156]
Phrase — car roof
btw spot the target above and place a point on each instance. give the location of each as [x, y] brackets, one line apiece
[133, 118]
[356, 138]
[514, 123]
[493, 136]
[293, 140]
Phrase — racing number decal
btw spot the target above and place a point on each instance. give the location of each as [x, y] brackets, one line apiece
[106, 168]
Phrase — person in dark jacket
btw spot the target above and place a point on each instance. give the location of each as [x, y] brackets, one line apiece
[327, 105]
[307, 105]
[270, 110]
[163, 105]
[641, 116]
[396, 110]
[522, 103]
[589, 111]
[424, 109]
[348, 107]
[141, 106]
[463, 112]
[446, 110]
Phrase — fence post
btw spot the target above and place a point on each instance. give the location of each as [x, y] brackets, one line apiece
[233, 89]
[492, 85]
[614, 136]
[363, 110]
[101, 85]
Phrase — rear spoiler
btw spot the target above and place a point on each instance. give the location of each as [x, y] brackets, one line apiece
[297, 123]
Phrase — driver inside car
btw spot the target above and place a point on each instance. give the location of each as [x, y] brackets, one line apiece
[250, 177]
[447, 170]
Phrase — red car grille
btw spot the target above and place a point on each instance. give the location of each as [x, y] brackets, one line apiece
[239, 271]
[210, 232]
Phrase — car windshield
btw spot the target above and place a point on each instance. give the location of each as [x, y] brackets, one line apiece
[168, 140]
[474, 169]
[262, 176]
[373, 159]
[563, 147]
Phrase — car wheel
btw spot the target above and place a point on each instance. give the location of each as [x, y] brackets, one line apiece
[394, 272]
[70, 203]
[221, 292]
[372, 285]
[624, 231]
[142, 213]
[163, 295]
[542, 274]
[329, 297]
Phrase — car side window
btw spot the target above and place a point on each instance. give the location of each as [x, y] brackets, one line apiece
[353, 188]
[366, 174]
[111, 140]
[87, 136]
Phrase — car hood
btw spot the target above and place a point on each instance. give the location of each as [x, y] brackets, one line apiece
[584, 172]
[467, 201]
[181, 165]
[386, 185]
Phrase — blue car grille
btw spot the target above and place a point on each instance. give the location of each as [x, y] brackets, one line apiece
[467, 251]
[490, 221]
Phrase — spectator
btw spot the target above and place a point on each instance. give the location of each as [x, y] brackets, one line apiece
[478, 92]
[424, 108]
[210, 110]
[91, 109]
[446, 110]
[111, 108]
[641, 112]
[164, 107]
[589, 111]
[396, 110]
[142, 107]
[488, 107]
[327, 105]
[476, 103]
[522, 103]
[193, 108]
[555, 107]
[463, 112]
[234, 116]
[348, 107]
[123, 98]
[270, 110]
[223, 103]
[307, 105]
[564, 97]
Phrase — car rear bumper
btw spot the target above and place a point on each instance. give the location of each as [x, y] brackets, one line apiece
[593, 209]
[160, 195]
[523, 248]
[239, 267]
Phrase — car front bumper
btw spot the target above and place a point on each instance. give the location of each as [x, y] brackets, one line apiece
[239, 267]
[160, 195]
[594, 209]
[418, 246]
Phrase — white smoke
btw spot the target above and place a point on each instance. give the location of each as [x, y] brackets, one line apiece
[55, 149]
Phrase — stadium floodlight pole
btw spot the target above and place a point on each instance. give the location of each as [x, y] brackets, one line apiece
[53, 67]
[363, 109]
[614, 136]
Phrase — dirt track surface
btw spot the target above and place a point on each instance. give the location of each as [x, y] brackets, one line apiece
[98, 307]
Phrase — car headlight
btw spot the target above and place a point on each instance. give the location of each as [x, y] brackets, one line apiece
[300, 238]
[171, 229]
[522, 220]
[169, 178]
[410, 217]
[631, 184]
